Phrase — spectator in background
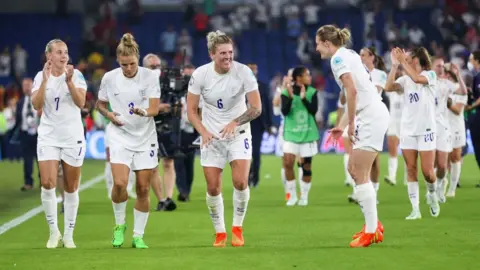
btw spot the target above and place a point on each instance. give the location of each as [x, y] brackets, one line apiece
[26, 124]
[416, 36]
[258, 127]
[184, 43]
[305, 48]
[184, 167]
[261, 17]
[5, 63]
[20, 61]
[311, 14]
[168, 41]
[201, 24]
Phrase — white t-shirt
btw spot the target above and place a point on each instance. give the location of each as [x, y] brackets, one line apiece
[223, 94]
[348, 61]
[445, 88]
[396, 105]
[418, 115]
[379, 78]
[138, 132]
[457, 122]
[61, 122]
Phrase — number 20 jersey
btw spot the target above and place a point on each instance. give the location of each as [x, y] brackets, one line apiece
[418, 116]
[61, 121]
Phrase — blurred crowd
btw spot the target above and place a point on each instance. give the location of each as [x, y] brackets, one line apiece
[457, 21]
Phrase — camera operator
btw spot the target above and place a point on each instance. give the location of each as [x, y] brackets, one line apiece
[184, 167]
[166, 203]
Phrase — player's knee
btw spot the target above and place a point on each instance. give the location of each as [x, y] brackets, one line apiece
[307, 166]
[120, 184]
[288, 163]
[168, 164]
[213, 190]
[142, 190]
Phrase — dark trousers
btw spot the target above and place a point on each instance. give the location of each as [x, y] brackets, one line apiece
[29, 155]
[184, 167]
[257, 136]
[474, 125]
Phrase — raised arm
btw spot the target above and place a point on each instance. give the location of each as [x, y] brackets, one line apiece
[77, 86]
[40, 86]
[391, 85]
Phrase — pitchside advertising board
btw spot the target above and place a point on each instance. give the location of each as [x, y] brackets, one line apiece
[96, 145]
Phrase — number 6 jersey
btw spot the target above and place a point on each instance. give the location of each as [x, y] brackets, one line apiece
[418, 115]
[61, 121]
[124, 94]
[223, 95]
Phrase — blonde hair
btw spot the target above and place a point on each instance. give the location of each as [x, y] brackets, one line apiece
[338, 37]
[48, 47]
[217, 38]
[128, 46]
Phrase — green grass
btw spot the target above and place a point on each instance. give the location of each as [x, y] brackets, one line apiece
[277, 237]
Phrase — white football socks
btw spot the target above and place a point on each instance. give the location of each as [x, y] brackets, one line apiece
[292, 188]
[139, 222]
[367, 198]
[304, 189]
[414, 195]
[216, 210]
[71, 203]
[119, 210]
[376, 186]
[240, 204]
[49, 203]
[392, 167]
[455, 171]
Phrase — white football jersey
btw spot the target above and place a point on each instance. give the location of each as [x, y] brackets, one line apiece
[379, 78]
[445, 88]
[457, 122]
[223, 94]
[61, 121]
[123, 94]
[396, 105]
[418, 115]
[348, 61]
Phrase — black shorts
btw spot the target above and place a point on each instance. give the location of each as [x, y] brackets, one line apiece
[166, 145]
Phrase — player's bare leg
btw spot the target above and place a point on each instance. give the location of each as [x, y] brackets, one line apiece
[60, 188]
[288, 165]
[108, 173]
[241, 196]
[427, 161]
[142, 207]
[346, 156]
[391, 178]
[156, 183]
[119, 201]
[306, 181]
[71, 177]
[359, 167]
[410, 157]
[215, 203]
[441, 161]
[48, 178]
[375, 174]
[169, 183]
[455, 170]
[300, 168]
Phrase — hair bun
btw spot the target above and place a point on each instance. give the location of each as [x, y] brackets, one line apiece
[128, 39]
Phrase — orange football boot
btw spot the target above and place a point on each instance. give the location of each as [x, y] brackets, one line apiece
[366, 239]
[220, 239]
[237, 237]
[287, 196]
[358, 234]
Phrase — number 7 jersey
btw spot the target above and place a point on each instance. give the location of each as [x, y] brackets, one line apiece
[61, 121]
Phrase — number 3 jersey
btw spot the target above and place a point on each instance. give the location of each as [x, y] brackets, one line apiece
[223, 95]
[61, 121]
[418, 115]
[124, 94]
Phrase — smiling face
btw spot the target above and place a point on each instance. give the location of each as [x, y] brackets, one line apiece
[129, 64]
[439, 67]
[323, 48]
[222, 56]
[58, 55]
[367, 57]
